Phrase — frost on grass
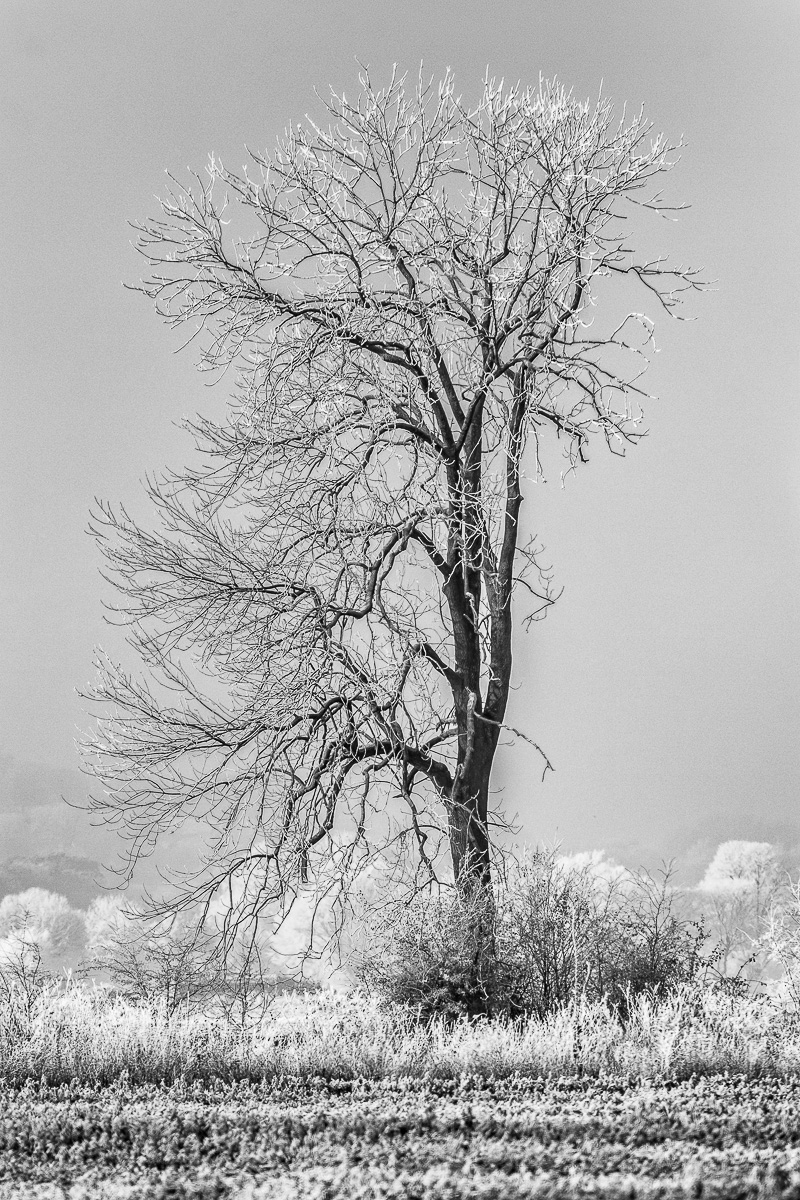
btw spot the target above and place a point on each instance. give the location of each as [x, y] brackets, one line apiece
[451, 1139]
[78, 1034]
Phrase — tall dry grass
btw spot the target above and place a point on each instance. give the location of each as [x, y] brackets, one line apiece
[77, 1033]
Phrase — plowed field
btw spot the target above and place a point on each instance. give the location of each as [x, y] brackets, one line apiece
[713, 1137]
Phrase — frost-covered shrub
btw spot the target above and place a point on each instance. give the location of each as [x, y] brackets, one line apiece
[744, 886]
[46, 920]
[549, 933]
[781, 941]
[172, 964]
[436, 956]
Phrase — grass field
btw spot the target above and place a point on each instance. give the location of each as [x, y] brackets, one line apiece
[722, 1136]
[81, 1034]
[330, 1096]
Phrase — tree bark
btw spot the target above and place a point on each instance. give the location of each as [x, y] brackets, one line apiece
[468, 811]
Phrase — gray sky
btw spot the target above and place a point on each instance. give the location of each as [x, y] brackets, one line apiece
[664, 686]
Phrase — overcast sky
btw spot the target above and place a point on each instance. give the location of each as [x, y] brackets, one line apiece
[664, 686]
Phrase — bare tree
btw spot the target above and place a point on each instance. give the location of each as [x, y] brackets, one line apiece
[325, 613]
[176, 966]
[743, 895]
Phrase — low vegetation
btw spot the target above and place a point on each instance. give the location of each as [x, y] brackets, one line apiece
[77, 1034]
[580, 1035]
[434, 1140]
[548, 935]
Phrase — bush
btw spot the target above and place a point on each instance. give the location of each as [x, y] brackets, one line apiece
[45, 919]
[435, 955]
[781, 940]
[177, 966]
[549, 934]
[23, 980]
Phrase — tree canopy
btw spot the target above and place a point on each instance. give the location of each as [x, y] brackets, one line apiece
[408, 300]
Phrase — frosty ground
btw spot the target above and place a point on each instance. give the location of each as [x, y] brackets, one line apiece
[331, 1096]
[723, 1136]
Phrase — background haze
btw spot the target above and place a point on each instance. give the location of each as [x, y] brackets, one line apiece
[664, 685]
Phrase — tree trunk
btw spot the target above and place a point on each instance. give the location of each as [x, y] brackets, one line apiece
[468, 809]
[470, 852]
